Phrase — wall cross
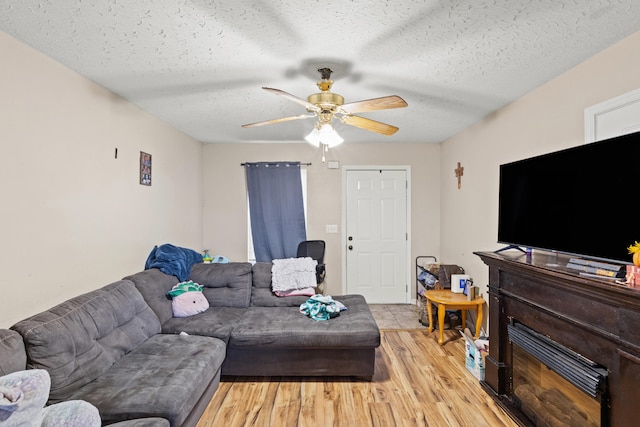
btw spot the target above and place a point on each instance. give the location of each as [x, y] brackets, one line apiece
[459, 172]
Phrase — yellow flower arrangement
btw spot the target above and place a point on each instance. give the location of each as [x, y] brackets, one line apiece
[635, 250]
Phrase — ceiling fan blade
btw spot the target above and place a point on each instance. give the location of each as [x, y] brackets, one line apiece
[384, 103]
[369, 124]
[309, 106]
[283, 119]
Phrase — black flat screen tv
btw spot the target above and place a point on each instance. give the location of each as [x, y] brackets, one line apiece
[581, 201]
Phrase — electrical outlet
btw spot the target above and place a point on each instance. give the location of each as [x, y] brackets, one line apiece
[332, 228]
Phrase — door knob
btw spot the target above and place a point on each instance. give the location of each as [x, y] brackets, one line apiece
[350, 247]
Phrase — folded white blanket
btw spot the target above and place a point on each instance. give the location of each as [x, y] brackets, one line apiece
[293, 273]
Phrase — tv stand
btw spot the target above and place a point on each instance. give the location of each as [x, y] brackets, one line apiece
[506, 248]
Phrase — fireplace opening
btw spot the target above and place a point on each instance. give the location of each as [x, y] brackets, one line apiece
[554, 386]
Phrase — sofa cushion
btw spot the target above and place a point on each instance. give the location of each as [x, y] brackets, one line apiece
[78, 341]
[153, 284]
[262, 297]
[262, 275]
[224, 285]
[217, 322]
[12, 353]
[164, 377]
[286, 327]
[261, 293]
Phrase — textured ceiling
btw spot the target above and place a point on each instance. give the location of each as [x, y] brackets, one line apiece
[199, 64]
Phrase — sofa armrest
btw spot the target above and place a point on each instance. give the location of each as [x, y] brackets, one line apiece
[13, 356]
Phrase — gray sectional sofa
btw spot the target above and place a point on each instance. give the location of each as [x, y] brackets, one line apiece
[120, 348]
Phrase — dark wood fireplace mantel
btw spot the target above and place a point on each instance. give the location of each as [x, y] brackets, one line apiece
[597, 318]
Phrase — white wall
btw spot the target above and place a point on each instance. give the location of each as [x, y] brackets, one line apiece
[72, 217]
[225, 203]
[547, 119]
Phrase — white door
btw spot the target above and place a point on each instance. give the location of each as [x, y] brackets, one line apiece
[376, 235]
[614, 117]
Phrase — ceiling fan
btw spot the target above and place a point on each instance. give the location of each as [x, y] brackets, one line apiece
[327, 105]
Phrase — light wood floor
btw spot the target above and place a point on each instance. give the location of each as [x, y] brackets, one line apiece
[416, 383]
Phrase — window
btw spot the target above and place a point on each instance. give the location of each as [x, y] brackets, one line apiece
[251, 256]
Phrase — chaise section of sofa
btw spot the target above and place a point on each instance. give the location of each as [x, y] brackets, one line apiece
[277, 341]
[166, 376]
[105, 347]
[274, 339]
[13, 358]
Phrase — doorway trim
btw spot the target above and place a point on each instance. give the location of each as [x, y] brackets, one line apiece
[592, 113]
[343, 236]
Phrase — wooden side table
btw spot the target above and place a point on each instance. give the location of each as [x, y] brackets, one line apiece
[447, 300]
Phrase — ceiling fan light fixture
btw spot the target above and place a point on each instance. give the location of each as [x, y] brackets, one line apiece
[329, 136]
[324, 134]
[314, 137]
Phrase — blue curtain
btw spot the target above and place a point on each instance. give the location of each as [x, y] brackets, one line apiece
[276, 209]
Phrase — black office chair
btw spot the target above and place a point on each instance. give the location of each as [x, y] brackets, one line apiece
[314, 249]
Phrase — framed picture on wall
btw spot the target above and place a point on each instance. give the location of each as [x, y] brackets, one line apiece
[145, 168]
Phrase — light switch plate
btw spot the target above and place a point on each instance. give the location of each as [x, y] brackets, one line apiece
[332, 228]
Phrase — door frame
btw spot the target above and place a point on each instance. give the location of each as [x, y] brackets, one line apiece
[592, 113]
[343, 236]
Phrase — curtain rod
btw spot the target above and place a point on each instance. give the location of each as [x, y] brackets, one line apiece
[273, 163]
